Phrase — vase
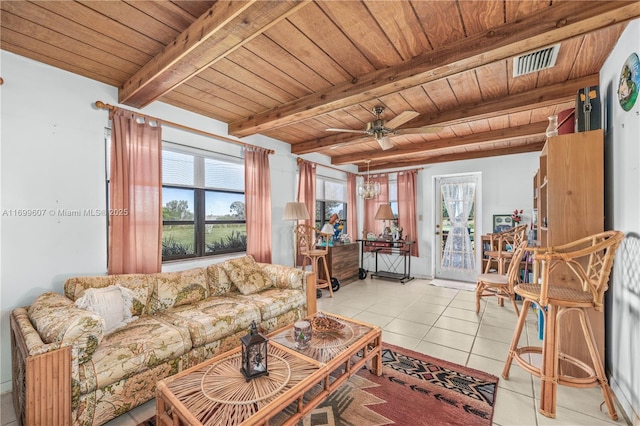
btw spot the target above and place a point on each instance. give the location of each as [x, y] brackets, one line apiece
[552, 128]
[302, 333]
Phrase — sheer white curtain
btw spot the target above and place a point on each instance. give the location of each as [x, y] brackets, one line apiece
[458, 197]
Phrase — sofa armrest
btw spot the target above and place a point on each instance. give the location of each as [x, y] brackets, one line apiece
[56, 319]
[42, 374]
[310, 291]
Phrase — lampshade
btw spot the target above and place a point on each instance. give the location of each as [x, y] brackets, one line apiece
[327, 229]
[384, 212]
[296, 211]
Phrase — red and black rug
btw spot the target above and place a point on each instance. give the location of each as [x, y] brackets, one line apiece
[414, 389]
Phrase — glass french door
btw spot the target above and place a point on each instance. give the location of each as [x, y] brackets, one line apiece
[454, 242]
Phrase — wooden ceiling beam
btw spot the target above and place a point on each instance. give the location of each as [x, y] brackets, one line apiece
[517, 132]
[225, 27]
[545, 96]
[554, 24]
[542, 97]
[469, 155]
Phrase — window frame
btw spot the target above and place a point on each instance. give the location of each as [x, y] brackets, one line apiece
[199, 189]
[322, 200]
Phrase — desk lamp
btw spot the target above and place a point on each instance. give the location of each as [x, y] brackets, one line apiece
[384, 213]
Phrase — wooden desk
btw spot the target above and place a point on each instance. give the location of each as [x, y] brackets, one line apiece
[342, 261]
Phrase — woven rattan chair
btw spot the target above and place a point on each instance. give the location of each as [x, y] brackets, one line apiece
[501, 286]
[500, 242]
[307, 238]
[588, 263]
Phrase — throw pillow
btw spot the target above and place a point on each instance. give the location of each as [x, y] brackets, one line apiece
[178, 288]
[247, 275]
[112, 303]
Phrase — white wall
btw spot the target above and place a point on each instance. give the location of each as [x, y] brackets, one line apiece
[507, 184]
[622, 171]
[52, 157]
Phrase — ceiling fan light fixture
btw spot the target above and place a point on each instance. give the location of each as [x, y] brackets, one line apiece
[367, 189]
[385, 143]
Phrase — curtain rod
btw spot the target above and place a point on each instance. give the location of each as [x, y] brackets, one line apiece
[386, 172]
[300, 160]
[102, 105]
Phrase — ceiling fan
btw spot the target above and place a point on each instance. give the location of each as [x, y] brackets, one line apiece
[383, 130]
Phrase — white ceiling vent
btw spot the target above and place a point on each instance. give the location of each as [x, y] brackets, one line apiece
[535, 61]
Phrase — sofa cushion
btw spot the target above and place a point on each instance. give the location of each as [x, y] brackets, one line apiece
[57, 319]
[213, 318]
[219, 282]
[140, 345]
[273, 302]
[139, 284]
[247, 275]
[112, 303]
[179, 288]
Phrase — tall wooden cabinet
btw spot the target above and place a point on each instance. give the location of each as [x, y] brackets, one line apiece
[569, 198]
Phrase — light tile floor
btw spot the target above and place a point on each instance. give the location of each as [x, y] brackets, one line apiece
[441, 322]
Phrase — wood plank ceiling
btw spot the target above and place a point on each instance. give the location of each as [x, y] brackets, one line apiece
[292, 69]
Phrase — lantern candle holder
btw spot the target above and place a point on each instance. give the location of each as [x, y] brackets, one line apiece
[254, 354]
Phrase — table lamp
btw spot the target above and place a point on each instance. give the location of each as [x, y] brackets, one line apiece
[295, 211]
[328, 229]
[385, 213]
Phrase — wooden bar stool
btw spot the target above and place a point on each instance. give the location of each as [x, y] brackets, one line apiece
[499, 242]
[501, 286]
[306, 236]
[587, 262]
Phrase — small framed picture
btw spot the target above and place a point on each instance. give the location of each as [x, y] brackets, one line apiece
[502, 222]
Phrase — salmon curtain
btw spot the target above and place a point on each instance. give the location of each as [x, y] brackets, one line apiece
[352, 217]
[407, 216]
[257, 193]
[135, 195]
[371, 206]
[307, 189]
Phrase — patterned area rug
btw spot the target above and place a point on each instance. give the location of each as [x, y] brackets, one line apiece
[414, 389]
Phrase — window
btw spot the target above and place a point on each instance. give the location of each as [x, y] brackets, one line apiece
[203, 205]
[393, 196]
[331, 198]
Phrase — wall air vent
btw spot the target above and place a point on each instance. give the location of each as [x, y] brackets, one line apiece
[535, 61]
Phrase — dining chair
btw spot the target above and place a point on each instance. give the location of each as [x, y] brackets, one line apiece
[308, 247]
[569, 278]
[501, 286]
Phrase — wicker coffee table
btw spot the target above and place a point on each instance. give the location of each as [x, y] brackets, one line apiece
[215, 392]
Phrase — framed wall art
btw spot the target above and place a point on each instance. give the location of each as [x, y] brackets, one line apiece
[629, 82]
[502, 222]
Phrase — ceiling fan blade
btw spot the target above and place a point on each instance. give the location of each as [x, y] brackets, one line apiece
[418, 130]
[401, 118]
[385, 143]
[345, 130]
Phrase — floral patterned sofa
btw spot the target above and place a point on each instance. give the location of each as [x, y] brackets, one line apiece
[70, 368]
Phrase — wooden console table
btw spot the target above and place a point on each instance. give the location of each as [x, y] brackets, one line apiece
[393, 254]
